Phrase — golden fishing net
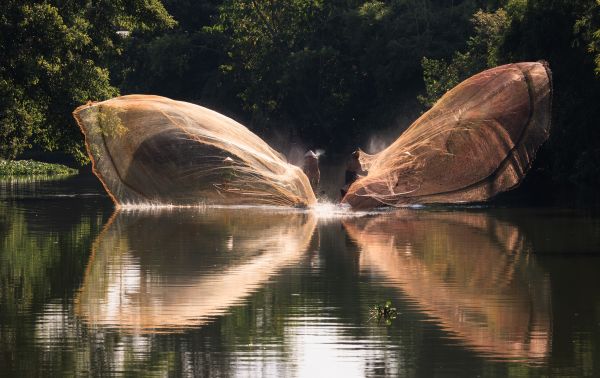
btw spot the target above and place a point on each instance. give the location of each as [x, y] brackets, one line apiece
[478, 140]
[153, 150]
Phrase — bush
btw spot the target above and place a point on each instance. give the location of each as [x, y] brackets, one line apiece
[31, 167]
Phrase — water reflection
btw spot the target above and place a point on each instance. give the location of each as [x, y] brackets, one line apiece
[470, 272]
[473, 299]
[165, 271]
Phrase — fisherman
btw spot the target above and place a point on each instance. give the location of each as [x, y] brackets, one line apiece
[311, 169]
[227, 176]
[353, 171]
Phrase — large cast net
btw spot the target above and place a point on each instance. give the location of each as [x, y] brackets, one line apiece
[153, 150]
[478, 140]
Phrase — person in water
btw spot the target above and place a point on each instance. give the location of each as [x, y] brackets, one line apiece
[311, 169]
[353, 172]
[227, 176]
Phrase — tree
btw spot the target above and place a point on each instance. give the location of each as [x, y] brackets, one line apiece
[54, 56]
[588, 28]
[482, 53]
[334, 70]
[181, 63]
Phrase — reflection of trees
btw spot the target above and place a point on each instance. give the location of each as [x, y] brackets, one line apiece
[39, 260]
[469, 271]
[556, 231]
[152, 272]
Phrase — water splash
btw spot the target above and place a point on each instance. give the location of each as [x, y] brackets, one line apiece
[322, 210]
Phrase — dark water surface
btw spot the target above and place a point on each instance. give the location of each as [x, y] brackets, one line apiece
[261, 292]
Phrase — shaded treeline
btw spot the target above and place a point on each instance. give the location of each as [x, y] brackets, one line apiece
[327, 74]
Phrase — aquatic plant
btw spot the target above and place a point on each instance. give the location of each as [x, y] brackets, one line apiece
[383, 312]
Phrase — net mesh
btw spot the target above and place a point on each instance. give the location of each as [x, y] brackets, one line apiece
[153, 150]
[478, 140]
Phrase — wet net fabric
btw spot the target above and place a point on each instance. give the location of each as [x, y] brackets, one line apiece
[478, 140]
[153, 150]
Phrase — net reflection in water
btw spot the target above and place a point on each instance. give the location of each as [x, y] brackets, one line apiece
[125, 287]
[470, 272]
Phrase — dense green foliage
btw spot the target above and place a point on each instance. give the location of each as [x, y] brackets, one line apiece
[54, 56]
[481, 53]
[327, 74]
[30, 167]
[329, 71]
[181, 64]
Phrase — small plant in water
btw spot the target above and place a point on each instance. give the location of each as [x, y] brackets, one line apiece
[385, 312]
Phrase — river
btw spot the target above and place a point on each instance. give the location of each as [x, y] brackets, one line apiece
[477, 290]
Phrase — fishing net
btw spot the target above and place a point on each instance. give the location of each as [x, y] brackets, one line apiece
[153, 150]
[478, 140]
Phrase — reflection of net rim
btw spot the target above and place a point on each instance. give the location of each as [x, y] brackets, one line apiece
[390, 199]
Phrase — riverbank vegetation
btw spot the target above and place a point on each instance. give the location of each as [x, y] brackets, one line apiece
[33, 168]
[310, 73]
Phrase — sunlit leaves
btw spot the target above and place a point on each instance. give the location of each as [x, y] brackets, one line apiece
[482, 52]
[587, 27]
